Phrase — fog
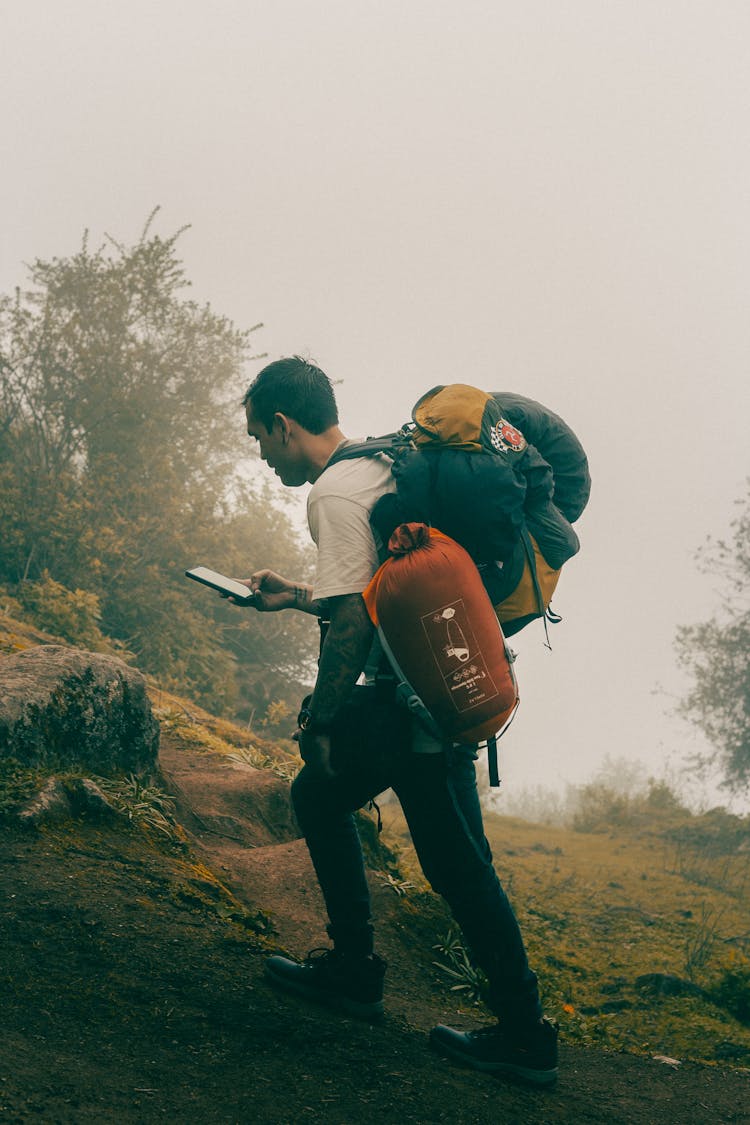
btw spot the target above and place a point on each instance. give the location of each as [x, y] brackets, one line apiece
[552, 199]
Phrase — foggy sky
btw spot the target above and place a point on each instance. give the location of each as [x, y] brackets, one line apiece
[551, 198]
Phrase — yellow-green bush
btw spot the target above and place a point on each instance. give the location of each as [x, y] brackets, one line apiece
[71, 614]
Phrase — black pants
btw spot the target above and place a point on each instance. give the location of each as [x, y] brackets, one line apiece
[438, 793]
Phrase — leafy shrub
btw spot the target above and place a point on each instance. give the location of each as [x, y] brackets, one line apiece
[71, 614]
[9, 604]
[619, 794]
[17, 784]
[716, 832]
[600, 807]
[277, 721]
[732, 991]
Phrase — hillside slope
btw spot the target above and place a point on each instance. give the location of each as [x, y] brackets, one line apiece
[133, 990]
[132, 985]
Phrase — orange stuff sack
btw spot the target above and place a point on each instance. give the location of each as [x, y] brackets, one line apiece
[431, 604]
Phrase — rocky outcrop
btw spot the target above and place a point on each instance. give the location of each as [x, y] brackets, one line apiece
[227, 800]
[64, 706]
[63, 798]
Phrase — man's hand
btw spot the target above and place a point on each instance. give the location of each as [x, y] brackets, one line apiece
[272, 593]
[315, 750]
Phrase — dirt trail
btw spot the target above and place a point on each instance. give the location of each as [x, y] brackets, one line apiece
[276, 875]
[123, 1002]
[241, 822]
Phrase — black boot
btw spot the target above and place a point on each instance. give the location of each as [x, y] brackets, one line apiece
[529, 1054]
[350, 984]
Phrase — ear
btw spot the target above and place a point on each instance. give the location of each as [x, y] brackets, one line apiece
[282, 423]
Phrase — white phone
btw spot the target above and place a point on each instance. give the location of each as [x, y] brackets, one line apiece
[221, 583]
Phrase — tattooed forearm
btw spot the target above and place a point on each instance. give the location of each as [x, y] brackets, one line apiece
[303, 600]
[344, 654]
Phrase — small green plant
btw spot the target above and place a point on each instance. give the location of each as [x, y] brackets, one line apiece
[287, 770]
[144, 805]
[455, 962]
[699, 947]
[400, 887]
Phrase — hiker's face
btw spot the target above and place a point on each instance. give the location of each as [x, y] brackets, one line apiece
[278, 448]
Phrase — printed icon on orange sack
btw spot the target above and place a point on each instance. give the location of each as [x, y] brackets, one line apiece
[457, 645]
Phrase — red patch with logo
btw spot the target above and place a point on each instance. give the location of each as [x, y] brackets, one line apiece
[512, 436]
[506, 438]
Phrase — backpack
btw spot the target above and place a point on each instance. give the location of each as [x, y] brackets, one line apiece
[465, 466]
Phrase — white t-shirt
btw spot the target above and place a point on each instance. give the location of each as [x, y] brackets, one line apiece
[338, 515]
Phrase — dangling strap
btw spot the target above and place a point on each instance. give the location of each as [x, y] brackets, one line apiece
[374, 805]
[405, 693]
[323, 625]
[492, 742]
[528, 547]
[492, 761]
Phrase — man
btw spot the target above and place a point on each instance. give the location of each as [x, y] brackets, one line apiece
[356, 742]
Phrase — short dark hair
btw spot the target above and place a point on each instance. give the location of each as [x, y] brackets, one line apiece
[297, 388]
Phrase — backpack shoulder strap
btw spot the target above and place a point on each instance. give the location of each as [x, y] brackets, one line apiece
[390, 444]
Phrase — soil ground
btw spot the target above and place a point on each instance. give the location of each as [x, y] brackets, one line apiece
[132, 989]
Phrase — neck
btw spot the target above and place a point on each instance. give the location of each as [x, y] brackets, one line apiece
[320, 448]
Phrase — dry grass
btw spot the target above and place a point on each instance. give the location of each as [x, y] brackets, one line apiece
[632, 950]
